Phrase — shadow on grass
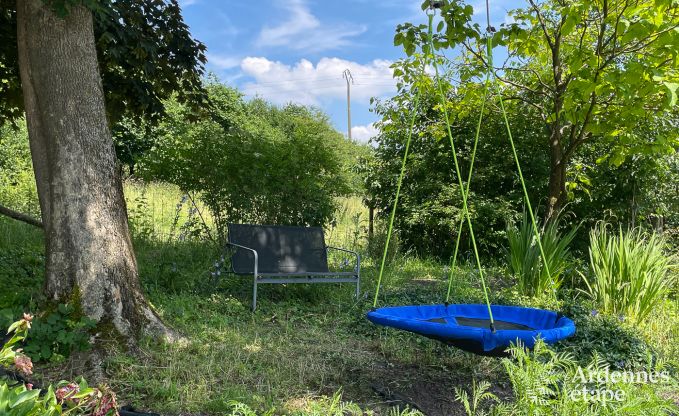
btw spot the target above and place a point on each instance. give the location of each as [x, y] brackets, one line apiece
[304, 343]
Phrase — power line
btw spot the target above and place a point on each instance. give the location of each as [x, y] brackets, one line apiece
[297, 80]
[284, 90]
[311, 87]
[301, 80]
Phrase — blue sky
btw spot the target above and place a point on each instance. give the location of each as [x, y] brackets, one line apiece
[296, 50]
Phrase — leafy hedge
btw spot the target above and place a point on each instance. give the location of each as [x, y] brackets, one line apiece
[251, 161]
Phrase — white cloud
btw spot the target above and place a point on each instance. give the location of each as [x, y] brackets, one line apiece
[306, 83]
[303, 31]
[363, 134]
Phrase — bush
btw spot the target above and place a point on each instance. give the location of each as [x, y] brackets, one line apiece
[630, 272]
[525, 259]
[430, 206]
[618, 344]
[57, 334]
[21, 276]
[21, 399]
[17, 183]
[252, 162]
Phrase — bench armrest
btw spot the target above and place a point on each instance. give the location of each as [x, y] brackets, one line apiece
[248, 249]
[358, 256]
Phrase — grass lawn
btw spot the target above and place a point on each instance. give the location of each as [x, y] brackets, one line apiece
[308, 348]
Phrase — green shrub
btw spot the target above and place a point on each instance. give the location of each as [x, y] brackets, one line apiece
[479, 394]
[525, 259]
[21, 276]
[616, 342]
[139, 216]
[17, 182]
[430, 206]
[19, 399]
[630, 272]
[252, 162]
[57, 334]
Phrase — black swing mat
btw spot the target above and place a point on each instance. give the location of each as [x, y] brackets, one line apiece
[483, 323]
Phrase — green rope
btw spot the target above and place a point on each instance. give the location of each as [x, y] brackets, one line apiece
[469, 180]
[525, 191]
[489, 47]
[457, 171]
[398, 194]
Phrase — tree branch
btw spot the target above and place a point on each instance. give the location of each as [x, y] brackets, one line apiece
[20, 217]
[531, 70]
[575, 142]
[538, 107]
[543, 25]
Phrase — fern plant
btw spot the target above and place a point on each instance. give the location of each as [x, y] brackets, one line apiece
[549, 383]
[480, 394]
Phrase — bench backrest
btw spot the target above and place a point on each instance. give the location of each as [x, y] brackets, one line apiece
[281, 249]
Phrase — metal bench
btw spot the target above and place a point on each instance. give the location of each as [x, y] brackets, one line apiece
[285, 254]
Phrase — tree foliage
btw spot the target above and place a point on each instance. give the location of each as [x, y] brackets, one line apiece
[430, 204]
[591, 69]
[641, 191]
[251, 161]
[145, 51]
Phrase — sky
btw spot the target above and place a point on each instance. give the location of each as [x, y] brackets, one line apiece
[296, 50]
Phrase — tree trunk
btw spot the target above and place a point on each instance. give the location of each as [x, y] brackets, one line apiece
[557, 176]
[89, 255]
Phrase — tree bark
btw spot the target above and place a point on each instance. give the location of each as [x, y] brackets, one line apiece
[89, 255]
[557, 176]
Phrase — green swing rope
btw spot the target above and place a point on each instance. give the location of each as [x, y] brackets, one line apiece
[465, 208]
[464, 191]
[489, 54]
[469, 180]
[511, 142]
[398, 194]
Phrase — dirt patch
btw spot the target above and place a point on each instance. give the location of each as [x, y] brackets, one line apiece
[430, 390]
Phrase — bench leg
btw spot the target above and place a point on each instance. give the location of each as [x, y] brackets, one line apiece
[358, 287]
[254, 295]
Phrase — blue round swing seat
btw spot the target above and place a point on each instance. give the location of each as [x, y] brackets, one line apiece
[468, 326]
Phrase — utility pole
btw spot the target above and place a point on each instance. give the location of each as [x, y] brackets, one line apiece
[350, 80]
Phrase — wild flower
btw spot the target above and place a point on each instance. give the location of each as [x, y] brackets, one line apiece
[66, 392]
[105, 402]
[79, 399]
[23, 364]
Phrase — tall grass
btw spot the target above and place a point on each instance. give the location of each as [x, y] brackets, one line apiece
[525, 260]
[630, 272]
